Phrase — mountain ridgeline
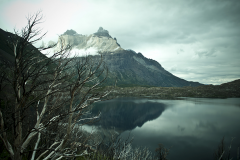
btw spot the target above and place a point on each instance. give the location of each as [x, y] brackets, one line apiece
[128, 67]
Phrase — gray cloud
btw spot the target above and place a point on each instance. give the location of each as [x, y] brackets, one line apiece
[207, 70]
[179, 51]
[180, 128]
[206, 125]
[209, 53]
[188, 34]
[184, 21]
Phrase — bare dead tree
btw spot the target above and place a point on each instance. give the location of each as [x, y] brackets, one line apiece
[44, 99]
[112, 146]
[162, 152]
[223, 153]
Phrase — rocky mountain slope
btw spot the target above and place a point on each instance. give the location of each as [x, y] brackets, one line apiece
[130, 68]
[101, 40]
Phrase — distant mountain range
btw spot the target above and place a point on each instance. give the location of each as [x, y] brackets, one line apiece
[130, 68]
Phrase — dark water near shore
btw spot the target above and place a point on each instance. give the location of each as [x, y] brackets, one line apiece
[192, 127]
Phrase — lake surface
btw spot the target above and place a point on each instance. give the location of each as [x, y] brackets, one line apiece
[192, 127]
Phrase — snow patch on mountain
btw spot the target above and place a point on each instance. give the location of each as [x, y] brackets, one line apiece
[116, 49]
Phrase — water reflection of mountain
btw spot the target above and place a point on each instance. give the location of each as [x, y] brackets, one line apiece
[126, 114]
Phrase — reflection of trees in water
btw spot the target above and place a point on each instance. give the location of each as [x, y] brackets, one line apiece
[126, 115]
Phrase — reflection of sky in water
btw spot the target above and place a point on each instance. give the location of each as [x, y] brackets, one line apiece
[193, 127]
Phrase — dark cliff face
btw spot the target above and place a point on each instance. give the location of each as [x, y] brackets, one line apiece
[102, 32]
[134, 69]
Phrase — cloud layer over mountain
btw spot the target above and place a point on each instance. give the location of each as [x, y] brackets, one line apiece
[194, 40]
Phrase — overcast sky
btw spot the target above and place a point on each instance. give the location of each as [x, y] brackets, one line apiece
[197, 40]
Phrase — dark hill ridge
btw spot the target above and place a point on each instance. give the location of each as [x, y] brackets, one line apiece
[225, 90]
[6, 52]
[231, 85]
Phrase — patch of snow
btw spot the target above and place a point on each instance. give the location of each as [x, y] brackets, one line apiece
[115, 49]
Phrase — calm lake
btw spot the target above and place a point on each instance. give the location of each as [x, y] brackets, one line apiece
[192, 127]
